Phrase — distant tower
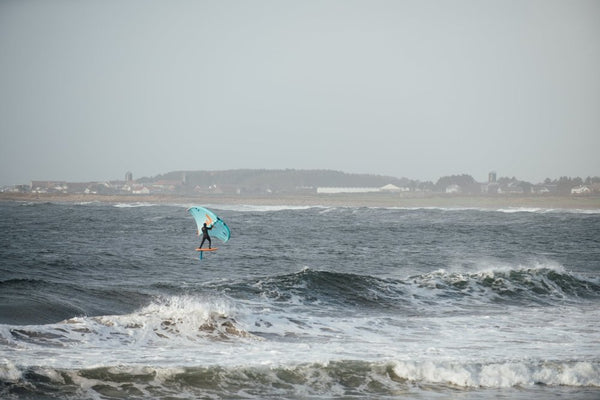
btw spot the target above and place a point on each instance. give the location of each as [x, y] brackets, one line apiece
[184, 178]
[492, 177]
[128, 176]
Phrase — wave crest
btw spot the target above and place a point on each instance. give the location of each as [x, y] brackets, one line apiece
[537, 285]
[169, 320]
[345, 378]
[501, 375]
[180, 317]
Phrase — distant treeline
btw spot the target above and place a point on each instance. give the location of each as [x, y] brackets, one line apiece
[260, 180]
[564, 184]
[291, 179]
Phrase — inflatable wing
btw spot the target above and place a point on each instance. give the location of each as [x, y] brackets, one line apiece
[220, 230]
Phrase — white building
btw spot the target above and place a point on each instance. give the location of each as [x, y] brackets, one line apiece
[387, 188]
[394, 188]
[335, 190]
[453, 189]
[581, 190]
[140, 190]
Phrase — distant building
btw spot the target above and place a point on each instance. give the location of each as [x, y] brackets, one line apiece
[49, 187]
[581, 190]
[511, 188]
[393, 188]
[387, 188]
[492, 186]
[165, 186]
[140, 189]
[453, 189]
[78, 187]
[540, 189]
[128, 177]
[335, 190]
[16, 189]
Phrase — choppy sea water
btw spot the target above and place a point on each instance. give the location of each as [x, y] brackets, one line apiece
[111, 301]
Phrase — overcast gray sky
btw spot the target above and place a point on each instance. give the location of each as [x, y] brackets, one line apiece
[420, 89]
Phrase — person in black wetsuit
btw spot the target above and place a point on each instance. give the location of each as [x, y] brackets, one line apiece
[205, 235]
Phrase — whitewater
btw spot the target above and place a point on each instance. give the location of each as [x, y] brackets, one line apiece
[105, 301]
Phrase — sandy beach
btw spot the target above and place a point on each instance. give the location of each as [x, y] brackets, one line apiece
[337, 200]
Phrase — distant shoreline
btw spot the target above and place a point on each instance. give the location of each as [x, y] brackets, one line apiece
[333, 200]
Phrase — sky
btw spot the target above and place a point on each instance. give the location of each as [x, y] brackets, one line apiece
[419, 89]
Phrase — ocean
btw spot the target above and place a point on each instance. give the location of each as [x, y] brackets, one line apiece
[110, 301]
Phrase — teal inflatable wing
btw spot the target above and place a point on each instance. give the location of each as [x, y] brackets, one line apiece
[220, 230]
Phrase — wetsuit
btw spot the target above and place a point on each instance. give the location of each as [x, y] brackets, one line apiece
[205, 236]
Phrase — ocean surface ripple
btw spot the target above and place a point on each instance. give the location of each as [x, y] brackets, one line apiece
[111, 301]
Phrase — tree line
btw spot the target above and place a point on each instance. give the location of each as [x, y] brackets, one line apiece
[260, 180]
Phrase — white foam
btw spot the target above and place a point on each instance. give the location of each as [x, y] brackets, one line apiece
[512, 210]
[500, 375]
[283, 207]
[9, 371]
[539, 210]
[489, 266]
[134, 205]
[259, 208]
[161, 331]
[439, 345]
[507, 210]
[176, 319]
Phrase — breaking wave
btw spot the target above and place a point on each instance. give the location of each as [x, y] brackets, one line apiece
[169, 320]
[539, 285]
[337, 379]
